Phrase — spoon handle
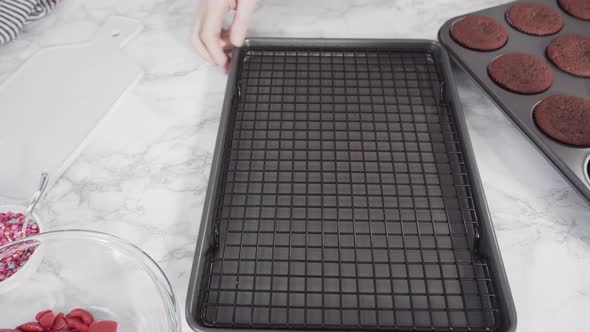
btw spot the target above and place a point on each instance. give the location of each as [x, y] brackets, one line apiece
[34, 201]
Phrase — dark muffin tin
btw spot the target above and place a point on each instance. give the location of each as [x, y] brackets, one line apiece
[344, 195]
[570, 160]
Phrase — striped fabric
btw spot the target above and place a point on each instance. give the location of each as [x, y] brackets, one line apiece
[15, 14]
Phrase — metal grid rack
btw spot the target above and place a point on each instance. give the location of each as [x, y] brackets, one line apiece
[344, 201]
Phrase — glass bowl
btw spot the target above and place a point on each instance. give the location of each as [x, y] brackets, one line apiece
[110, 277]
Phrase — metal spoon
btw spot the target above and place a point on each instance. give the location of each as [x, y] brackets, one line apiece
[34, 201]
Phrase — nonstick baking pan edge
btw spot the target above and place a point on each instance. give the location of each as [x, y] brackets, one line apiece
[488, 246]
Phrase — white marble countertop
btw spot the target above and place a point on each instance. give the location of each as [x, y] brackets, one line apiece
[144, 175]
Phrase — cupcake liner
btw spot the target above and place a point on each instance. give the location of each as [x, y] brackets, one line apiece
[567, 52]
[549, 116]
[521, 26]
[461, 33]
[506, 83]
[576, 8]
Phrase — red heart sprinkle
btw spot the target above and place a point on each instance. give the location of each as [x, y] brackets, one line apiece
[84, 315]
[47, 320]
[103, 326]
[76, 324]
[41, 313]
[59, 322]
[31, 327]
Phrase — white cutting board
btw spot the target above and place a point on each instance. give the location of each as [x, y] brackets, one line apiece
[50, 105]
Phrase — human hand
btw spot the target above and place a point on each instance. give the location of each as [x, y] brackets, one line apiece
[209, 37]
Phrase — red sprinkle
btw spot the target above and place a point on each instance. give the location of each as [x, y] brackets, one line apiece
[82, 314]
[77, 320]
[47, 320]
[103, 326]
[41, 313]
[59, 323]
[76, 324]
[11, 225]
[31, 327]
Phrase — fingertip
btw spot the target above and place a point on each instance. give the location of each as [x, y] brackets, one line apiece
[198, 44]
[226, 43]
[195, 40]
[237, 41]
[220, 58]
[237, 35]
[213, 47]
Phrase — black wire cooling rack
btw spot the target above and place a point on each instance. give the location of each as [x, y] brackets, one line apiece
[344, 200]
